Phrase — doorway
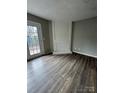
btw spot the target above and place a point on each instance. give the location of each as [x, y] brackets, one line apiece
[34, 40]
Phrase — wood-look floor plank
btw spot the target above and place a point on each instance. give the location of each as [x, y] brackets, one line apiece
[62, 74]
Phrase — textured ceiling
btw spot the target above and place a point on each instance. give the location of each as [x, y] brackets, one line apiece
[70, 10]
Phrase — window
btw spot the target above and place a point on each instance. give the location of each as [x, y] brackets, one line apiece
[33, 40]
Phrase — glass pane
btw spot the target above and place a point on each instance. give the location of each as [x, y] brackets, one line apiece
[32, 39]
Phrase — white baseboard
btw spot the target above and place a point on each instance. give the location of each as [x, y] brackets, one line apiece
[62, 52]
[85, 54]
[75, 52]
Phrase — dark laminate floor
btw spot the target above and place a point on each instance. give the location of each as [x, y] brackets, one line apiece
[62, 74]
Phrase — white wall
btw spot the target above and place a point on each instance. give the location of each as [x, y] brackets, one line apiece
[85, 37]
[61, 36]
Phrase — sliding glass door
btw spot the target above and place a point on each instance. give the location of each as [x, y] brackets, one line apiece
[34, 39]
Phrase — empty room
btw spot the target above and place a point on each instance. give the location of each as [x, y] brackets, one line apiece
[61, 46]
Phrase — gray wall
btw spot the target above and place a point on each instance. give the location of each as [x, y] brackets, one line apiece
[46, 29]
[84, 37]
[51, 36]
